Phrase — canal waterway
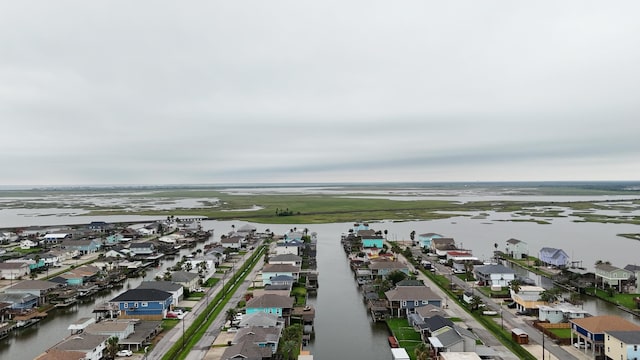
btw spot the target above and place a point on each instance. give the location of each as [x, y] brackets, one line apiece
[343, 328]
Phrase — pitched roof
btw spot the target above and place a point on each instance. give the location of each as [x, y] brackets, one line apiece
[12, 265]
[607, 267]
[493, 269]
[437, 322]
[34, 285]
[183, 276]
[167, 286]
[84, 342]
[261, 319]
[246, 350]
[627, 337]
[600, 324]
[278, 268]
[142, 295]
[257, 334]
[387, 265]
[513, 241]
[286, 257]
[411, 293]
[270, 301]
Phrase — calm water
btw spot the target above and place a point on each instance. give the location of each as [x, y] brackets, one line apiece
[341, 312]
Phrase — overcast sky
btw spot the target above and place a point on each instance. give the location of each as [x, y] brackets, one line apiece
[152, 92]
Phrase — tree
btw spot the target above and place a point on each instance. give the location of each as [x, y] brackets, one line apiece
[515, 285]
[475, 302]
[112, 347]
[421, 351]
[385, 234]
[230, 314]
[412, 236]
[396, 276]
[550, 295]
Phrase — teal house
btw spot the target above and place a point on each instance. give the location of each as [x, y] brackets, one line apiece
[271, 304]
[425, 239]
[372, 241]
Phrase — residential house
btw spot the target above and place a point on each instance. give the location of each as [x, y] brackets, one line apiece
[559, 313]
[19, 301]
[78, 276]
[517, 249]
[232, 242]
[611, 275]
[553, 256]
[39, 288]
[88, 346]
[404, 300]
[425, 240]
[14, 270]
[383, 268]
[27, 244]
[117, 253]
[440, 246]
[622, 344]
[119, 328]
[494, 275]
[260, 319]
[289, 247]
[370, 239]
[591, 330]
[186, 279]
[83, 246]
[528, 298]
[271, 304]
[142, 249]
[272, 270]
[217, 254]
[34, 260]
[635, 270]
[100, 226]
[453, 339]
[8, 237]
[264, 337]
[56, 237]
[432, 324]
[145, 304]
[246, 350]
[176, 290]
[115, 239]
[286, 259]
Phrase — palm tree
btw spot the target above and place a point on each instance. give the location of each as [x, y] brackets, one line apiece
[475, 302]
[515, 285]
[288, 347]
[230, 314]
[550, 295]
[412, 236]
[112, 347]
[421, 351]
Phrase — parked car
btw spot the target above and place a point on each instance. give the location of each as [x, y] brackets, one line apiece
[523, 312]
[512, 305]
[581, 345]
[125, 352]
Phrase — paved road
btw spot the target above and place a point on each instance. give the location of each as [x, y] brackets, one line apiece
[200, 349]
[509, 319]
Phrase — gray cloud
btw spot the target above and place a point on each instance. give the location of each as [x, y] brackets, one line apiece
[161, 92]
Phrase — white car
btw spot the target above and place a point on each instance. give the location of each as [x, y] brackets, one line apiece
[125, 352]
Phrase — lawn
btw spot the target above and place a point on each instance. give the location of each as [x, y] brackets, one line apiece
[626, 300]
[561, 333]
[407, 337]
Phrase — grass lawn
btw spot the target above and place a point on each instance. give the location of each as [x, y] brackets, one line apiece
[301, 295]
[168, 324]
[561, 333]
[625, 300]
[407, 337]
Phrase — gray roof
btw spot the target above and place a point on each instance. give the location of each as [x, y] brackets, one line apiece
[607, 267]
[632, 268]
[514, 241]
[246, 350]
[167, 286]
[286, 257]
[277, 268]
[387, 265]
[183, 276]
[493, 269]
[142, 295]
[270, 301]
[257, 334]
[34, 285]
[436, 322]
[411, 293]
[627, 337]
[16, 298]
[259, 319]
[83, 342]
[449, 337]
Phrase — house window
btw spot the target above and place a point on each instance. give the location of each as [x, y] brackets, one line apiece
[403, 303]
[126, 305]
[135, 304]
[144, 304]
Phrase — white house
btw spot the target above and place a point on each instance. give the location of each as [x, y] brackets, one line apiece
[517, 249]
[14, 270]
[562, 312]
[494, 275]
[27, 244]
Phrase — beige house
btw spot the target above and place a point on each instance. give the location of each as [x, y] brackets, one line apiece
[528, 297]
[14, 270]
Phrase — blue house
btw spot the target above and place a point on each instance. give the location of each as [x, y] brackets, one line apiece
[114, 239]
[425, 239]
[144, 304]
[82, 246]
[404, 300]
[553, 256]
[271, 304]
[19, 301]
